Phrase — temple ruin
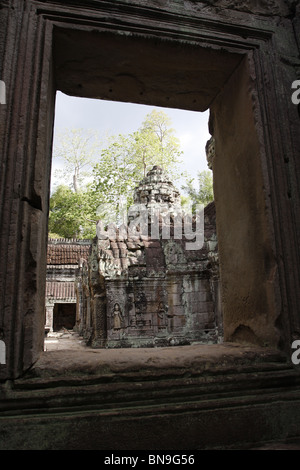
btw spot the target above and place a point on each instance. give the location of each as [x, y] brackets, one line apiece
[143, 291]
[127, 288]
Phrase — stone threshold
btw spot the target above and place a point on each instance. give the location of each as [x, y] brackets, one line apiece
[164, 361]
[127, 391]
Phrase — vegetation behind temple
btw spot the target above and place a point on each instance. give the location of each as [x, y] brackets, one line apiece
[123, 162]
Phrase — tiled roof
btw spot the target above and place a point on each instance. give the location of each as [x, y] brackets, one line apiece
[60, 290]
[66, 252]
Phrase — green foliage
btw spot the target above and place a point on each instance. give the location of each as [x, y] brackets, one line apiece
[156, 144]
[204, 193]
[54, 235]
[116, 173]
[128, 158]
[121, 165]
[72, 214]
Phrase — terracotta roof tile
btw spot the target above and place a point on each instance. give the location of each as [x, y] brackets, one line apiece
[60, 290]
[67, 253]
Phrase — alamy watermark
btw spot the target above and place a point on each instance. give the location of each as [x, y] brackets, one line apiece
[296, 94]
[158, 221]
[296, 354]
[2, 92]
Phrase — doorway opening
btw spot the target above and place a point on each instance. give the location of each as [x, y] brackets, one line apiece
[212, 79]
[187, 76]
[64, 316]
[191, 130]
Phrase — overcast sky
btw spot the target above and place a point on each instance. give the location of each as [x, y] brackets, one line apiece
[191, 128]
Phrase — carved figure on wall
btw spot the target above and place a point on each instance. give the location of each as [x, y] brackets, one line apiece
[161, 315]
[117, 317]
[161, 310]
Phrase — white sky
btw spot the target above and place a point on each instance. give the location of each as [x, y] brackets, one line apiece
[191, 128]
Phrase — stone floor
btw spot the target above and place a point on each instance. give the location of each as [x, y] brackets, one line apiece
[63, 340]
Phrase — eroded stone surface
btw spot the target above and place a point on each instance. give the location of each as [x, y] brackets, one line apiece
[146, 361]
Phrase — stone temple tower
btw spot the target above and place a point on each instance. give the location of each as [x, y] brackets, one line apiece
[145, 289]
[157, 187]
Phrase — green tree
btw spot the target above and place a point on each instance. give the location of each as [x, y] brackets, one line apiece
[145, 149]
[159, 144]
[127, 159]
[73, 208]
[121, 166]
[73, 214]
[115, 176]
[203, 194]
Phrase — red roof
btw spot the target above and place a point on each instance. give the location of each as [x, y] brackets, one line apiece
[66, 252]
[60, 290]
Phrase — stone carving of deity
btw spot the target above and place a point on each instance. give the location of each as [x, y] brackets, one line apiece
[117, 317]
[161, 314]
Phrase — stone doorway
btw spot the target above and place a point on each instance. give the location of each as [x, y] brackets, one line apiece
[147, 72]
[64, 316]
[157, 56]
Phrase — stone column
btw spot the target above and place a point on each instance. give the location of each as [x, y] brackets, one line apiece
[26, 122]
[49, 317]
[99, 337]
[97, 304]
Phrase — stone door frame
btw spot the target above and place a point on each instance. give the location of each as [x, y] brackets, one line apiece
[26, 129]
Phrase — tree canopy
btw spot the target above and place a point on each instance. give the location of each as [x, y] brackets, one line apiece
[203, 194]
[127, 159]
[114, 171]
[78, 150]
[72, 214]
